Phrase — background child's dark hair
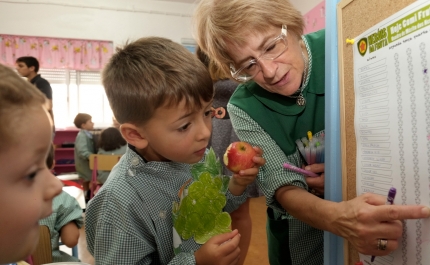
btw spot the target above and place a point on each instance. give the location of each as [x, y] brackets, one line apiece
[111, 139]
[29, 61]
[50, 157]
[80, 119]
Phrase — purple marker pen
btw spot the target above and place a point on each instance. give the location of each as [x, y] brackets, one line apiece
[391, 196]
[390, 200]
[299, 170]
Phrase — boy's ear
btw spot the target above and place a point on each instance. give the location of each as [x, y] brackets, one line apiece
[32, 68]
[133, 135]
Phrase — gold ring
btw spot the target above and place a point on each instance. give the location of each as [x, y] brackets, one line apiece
[382, 244]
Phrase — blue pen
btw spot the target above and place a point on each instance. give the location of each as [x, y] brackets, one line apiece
[390, 200]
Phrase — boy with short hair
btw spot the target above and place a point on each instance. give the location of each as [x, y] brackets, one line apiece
[27, 187]
[84, 147]
[162, 96]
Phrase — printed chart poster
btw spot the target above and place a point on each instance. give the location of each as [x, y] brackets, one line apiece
[392, 121]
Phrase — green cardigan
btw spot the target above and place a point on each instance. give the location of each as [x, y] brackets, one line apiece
[274, 122]
[84, 147]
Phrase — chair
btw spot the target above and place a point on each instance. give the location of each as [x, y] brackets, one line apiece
[43, 252]
[100, 162]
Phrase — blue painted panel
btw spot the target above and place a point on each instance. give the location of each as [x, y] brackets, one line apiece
[333, 245]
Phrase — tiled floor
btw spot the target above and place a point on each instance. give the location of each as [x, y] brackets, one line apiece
[257, 254]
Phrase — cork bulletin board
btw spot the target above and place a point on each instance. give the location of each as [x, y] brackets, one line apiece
[354, 17]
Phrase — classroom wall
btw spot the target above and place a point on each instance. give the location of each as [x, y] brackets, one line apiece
[315, 18]
[306, 5]
[114, 20]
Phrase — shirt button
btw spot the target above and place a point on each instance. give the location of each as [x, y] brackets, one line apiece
[135, 161]
[162, 214]
[131, 172]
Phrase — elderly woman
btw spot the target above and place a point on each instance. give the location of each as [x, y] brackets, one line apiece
[260, 43]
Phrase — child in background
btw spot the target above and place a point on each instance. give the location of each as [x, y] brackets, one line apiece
[110, 143]
[64, 222]
[84, 147]
[27, 187]
[162, 96]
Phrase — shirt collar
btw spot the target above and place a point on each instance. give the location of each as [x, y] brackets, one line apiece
[88, 134]
[34, 79]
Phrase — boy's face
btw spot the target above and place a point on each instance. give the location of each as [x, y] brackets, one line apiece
[178, 134]
[89, 125]
[27, 187]
[23, 70]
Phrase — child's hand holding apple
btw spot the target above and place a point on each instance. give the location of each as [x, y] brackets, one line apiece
[244, 161]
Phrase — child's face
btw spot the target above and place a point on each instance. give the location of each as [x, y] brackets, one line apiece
[26, 187]
[178, 134]
[89, 125]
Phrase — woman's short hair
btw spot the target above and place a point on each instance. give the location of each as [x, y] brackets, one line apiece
[111, 139]
[219, 23]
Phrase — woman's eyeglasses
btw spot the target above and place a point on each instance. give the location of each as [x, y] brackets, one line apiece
[272, 51]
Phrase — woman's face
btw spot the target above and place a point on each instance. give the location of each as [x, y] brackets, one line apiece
[282, 75]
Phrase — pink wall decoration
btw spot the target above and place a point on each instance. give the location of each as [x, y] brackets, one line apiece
[54, 53]
[315, 18]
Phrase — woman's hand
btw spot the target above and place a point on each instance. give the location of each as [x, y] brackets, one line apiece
[366, 219]
[362, 221]
[316, 185]
[240, 181]
[247, 176]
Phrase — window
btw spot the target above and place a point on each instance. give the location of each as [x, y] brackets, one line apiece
[77, 91]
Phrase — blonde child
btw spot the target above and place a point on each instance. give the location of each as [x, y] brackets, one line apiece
[27, 187]
[162, 96]
[84, 147]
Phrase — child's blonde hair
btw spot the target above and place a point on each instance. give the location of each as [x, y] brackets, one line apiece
[17, 98]
[150, 73]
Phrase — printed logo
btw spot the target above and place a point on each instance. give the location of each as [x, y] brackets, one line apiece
[362, 46]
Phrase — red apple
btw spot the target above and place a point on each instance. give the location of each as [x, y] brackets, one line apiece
[238, 156]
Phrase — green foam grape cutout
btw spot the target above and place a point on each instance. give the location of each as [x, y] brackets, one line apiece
[199, 213]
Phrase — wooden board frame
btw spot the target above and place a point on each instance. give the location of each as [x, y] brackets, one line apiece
[354, 17]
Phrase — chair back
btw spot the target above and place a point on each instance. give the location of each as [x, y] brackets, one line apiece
[104, 162]
[100, 162]
[43, 252]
